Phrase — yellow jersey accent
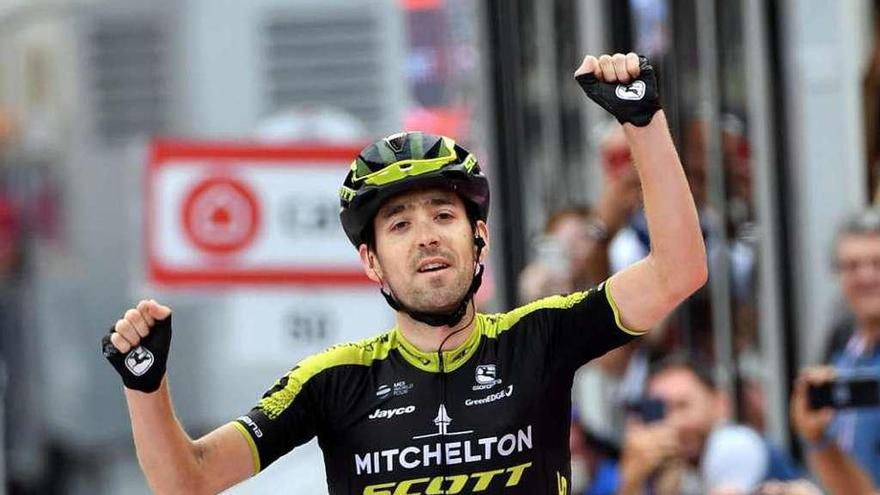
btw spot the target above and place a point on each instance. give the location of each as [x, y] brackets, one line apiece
[363, 353]
[255, 454]
[616, 311]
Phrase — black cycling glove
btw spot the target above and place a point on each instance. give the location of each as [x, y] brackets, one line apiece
[143, 367]
[636, 102]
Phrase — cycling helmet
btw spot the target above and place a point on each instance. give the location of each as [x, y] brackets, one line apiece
[404, 161]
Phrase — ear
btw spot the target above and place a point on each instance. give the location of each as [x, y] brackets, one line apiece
[370, 263]
[482, 230]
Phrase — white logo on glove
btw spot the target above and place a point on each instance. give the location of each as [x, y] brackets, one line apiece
[139, 360]
[633, 91]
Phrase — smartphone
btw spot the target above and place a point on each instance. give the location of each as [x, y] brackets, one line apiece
[845, 393]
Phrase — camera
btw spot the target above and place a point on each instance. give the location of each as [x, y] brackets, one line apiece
[845, 393]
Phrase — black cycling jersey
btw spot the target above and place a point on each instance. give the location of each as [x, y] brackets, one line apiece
[491, 416]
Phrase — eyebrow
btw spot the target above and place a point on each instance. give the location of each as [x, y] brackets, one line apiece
[390, 211]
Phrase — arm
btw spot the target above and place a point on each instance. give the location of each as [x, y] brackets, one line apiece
[171, 461]
[676, 266]
[838, 472]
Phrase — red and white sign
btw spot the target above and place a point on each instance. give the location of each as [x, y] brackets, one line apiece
[221, 214]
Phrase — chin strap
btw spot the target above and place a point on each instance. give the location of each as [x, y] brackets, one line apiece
[453, 317]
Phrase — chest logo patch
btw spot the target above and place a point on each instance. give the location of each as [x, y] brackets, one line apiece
[486, 376]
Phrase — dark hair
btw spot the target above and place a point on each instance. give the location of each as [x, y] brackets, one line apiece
[680, 361]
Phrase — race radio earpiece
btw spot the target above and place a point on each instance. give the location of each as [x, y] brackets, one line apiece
[479, 242]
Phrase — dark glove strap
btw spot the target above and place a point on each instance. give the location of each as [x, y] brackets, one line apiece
[143, 367]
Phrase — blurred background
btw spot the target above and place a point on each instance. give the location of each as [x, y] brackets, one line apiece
[773, 105]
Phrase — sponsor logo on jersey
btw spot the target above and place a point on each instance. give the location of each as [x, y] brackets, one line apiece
[453, 451]
[402, 388]
[442, 421]
[633, 91]
[454, 484]
[383, 391]
[390, 413]
[139, 360]
[397, 389]
[486, 377]
[507, 392]
[253, 426]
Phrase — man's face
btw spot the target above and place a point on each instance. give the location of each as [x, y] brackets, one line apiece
[858, 263]
[692, 408]
[424, 249]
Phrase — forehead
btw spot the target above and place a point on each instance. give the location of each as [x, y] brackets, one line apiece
[859, 244]
[675, 380]
[420, 197]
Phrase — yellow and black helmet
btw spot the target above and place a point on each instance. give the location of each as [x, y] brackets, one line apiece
[404, 161]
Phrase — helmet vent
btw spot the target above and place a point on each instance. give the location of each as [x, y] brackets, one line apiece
[396, 141]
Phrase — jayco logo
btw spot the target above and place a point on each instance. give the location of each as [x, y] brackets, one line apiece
[390, 413]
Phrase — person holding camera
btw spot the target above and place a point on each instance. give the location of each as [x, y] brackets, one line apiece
[852, 349]
[837, 471]
[682, 440]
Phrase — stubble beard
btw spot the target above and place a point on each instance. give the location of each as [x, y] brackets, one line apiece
[437, 297]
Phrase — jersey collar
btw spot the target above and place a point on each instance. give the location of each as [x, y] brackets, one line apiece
[430, 361]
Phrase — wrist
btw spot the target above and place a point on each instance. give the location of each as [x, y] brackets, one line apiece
[816, 443]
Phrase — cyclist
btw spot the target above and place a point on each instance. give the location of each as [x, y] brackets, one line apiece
[449, 400]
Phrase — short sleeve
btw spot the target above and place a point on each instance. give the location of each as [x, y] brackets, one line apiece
[283, 419]
[587, 326]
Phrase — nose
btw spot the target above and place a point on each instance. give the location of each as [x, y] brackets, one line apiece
[427, 234]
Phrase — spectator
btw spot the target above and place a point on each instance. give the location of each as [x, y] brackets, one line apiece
[840, 474]
[572, 253]
[853, 346]
[593, 463]
[694, 448]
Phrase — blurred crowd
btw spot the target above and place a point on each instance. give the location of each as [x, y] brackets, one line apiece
[651, 417]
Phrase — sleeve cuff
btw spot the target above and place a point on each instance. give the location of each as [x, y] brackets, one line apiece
[255, 454]
[617, 320]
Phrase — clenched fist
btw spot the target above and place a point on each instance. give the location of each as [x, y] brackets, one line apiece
[624, 85]
[137, 345]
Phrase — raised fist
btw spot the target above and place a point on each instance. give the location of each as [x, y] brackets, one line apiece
[137, 345]
[624, 85]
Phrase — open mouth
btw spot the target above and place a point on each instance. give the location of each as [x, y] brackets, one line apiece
[433, 267]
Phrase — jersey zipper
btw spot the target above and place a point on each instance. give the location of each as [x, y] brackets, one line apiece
[444, 468]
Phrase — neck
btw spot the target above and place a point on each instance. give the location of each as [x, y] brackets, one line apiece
[428, 339]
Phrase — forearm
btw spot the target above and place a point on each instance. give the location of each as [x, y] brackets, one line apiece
[838, 473]
[167, 456]
[678, 254]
